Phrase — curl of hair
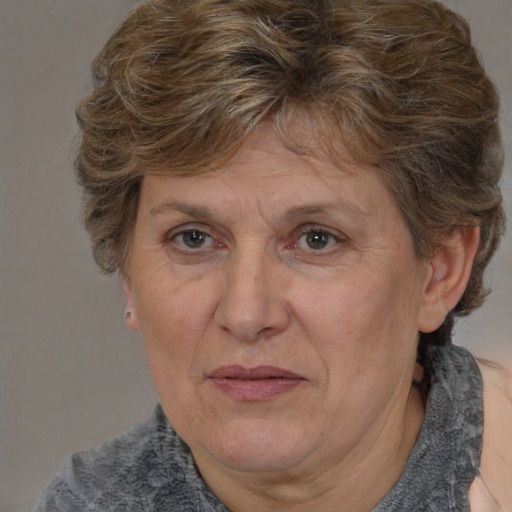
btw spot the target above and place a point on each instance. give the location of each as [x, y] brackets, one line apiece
[182, 83]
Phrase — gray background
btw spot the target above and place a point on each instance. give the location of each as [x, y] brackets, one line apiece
[71, 373]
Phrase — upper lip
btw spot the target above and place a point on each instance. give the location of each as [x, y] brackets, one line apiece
[255, 373]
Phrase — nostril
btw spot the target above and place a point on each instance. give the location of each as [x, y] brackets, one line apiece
[266, 332]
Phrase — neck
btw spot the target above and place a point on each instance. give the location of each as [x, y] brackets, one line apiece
[356, 484]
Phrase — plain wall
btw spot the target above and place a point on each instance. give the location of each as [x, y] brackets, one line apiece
[71, 373]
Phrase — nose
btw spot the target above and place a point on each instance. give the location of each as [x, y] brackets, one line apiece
[253, 304]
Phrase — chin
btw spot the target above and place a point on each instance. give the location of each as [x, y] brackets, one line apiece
[259, 445]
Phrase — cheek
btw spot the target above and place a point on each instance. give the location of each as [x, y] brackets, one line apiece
[355, 320]
[174, 315]
[174, 318]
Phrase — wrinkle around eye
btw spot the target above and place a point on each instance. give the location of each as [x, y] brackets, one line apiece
[338, 251]
[191, 245]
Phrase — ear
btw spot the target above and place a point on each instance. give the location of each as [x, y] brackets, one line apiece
[131, 316]
[447, 276]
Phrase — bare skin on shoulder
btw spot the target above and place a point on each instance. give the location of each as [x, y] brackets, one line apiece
[491, 490]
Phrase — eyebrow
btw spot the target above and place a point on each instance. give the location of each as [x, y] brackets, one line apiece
[303, 212]
[199, 212]
[294, 214]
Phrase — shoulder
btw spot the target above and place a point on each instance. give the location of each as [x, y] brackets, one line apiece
[106, 474]
[496, 459]
[147, 468]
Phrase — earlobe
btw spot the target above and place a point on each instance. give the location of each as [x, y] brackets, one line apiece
[448, 274]
[131, 317]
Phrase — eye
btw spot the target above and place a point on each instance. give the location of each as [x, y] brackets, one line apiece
[317, 240]
[193, 239]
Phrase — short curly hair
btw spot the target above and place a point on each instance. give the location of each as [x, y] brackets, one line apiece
[182, 83]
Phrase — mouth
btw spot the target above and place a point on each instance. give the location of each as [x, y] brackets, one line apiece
[254, 384]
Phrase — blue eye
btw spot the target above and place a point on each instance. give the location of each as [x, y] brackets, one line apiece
[193, 239]
[316, 240]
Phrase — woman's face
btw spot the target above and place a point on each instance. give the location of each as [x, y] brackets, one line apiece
[278, 300]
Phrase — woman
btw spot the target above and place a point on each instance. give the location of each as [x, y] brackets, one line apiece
[301, 198]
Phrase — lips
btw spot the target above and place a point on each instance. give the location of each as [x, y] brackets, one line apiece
[254, 384]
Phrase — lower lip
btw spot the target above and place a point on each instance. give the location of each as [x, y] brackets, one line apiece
[256, 390]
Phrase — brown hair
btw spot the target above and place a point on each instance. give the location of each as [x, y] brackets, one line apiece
[181, 83]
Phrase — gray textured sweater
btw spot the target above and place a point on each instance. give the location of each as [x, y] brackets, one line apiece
[149, 468]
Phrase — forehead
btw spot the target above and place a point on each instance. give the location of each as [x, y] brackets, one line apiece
[270, 176]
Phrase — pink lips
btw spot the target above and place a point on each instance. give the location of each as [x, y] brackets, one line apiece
[254, 384]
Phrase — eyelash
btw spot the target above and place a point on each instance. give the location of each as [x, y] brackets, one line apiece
[191, 231]
[324, 236]
[330, 239]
